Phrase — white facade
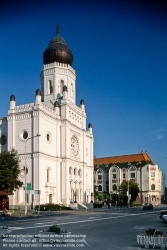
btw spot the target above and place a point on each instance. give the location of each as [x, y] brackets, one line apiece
[60, 161]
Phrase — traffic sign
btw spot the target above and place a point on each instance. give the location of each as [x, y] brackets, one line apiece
[29, 186]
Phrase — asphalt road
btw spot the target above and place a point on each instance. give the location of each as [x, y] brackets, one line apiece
[114, 229]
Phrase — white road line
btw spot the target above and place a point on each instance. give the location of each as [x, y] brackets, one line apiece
[94, 217]
[38, 223]
[139, 227]
[88, 220]
[76, 222]
[83, 225]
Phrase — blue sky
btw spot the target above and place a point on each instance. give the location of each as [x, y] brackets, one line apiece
[120, 57]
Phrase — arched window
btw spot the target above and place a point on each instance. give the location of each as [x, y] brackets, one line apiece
[99, 188]
[61, 86]
[152, 187]
[72, 91]
[114, 187]
[75, 171]
[48, 175]
[70, 170]
[50, 87]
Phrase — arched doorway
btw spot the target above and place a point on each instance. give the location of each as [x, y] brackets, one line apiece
[50, 198]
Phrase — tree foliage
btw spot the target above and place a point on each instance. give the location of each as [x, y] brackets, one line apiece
[133, 190]
[9, 171]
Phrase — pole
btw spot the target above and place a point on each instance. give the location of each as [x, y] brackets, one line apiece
[128, 187]
[26, 171]
[25, 179]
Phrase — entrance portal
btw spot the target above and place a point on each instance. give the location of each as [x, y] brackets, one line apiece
[50, 198]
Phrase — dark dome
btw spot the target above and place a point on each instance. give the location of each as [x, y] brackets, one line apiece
[12, 98]
[57, 51]
[56, 104]
[38, 92]
[89, 125]
[82, 102]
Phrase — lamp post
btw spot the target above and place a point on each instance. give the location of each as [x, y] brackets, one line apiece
[26, 169]
[128, 184]
[91, 197]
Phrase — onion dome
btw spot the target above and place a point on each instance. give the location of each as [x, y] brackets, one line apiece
[38, 92]
[12, 98]
[65, 88]
[89, 125]
[82, 102]
[57, 51]
[56, 104]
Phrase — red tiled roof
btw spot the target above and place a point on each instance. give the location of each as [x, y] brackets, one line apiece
[5, 193]
[122, 159]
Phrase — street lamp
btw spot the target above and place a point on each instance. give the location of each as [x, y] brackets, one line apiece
[26, 168]
[91, 197]
[128, 184]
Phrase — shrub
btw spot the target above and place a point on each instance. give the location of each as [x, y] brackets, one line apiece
[154, 232]
[55, 229]
[51, 207]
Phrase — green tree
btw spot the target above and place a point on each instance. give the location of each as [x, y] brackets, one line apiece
[133, 191]
[9, 171]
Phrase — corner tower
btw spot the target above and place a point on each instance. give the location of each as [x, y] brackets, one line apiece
[57, 71]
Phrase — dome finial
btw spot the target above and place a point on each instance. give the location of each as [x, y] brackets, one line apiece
[57, 29]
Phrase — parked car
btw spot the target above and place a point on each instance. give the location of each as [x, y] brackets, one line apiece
[147, 206]
[163, 212]
[164, 217]
[3, 213]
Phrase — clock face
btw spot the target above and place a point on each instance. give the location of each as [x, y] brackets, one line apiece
[74, 145]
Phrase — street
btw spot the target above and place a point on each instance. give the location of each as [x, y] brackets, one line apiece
[113, 229]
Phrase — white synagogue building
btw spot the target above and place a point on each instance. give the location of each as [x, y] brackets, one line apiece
[59, 162]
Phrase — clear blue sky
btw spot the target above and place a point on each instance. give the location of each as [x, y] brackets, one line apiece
[120, 57]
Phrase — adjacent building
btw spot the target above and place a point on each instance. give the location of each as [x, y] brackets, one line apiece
[109, 172]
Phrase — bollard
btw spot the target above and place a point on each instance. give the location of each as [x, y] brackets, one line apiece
[20, 215]
[49, 211]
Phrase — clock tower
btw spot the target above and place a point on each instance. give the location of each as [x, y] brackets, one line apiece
[58, 84]
[59, 163]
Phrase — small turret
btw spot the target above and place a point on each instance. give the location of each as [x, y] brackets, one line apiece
[57, 107]
[90, 128]
[65, 92]
[38, 96]
[82, 104]
[12, 101]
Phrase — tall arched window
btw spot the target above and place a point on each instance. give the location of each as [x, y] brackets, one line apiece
[114, 187]
[61, 86]
[70, 170]
[99, 188]
[152, 187]
[48, 175]
[72, 91]
[75, 171]
[50, 87]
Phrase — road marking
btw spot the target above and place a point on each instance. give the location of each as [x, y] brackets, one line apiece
[38, 223]
[88, 220]
[94, 217]
[76, 222]
[139, 227]
[84, 225]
